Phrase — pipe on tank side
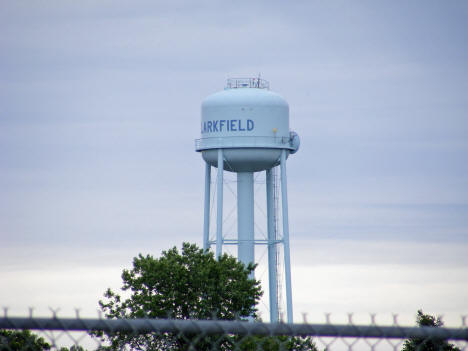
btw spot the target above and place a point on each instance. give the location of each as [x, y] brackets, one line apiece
[287, 259]
[245, 218]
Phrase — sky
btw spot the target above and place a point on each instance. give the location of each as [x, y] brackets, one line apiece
[100, 106]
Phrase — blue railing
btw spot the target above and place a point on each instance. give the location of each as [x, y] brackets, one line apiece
[243, 142]
[233, 83]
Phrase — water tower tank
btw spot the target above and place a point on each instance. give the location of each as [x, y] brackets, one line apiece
[249, 122]
[245, 129]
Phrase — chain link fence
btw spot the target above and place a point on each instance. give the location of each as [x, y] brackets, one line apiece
[80, 334]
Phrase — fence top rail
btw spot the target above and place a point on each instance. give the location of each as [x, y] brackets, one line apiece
[212, 327]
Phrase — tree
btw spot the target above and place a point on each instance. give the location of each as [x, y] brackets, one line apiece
[72, 348]
[21, 340]
[428, 344]
[187, 285]
[275, 343]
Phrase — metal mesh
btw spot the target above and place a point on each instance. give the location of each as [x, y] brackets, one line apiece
[79, 334]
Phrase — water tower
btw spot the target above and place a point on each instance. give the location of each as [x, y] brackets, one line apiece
[245, 129]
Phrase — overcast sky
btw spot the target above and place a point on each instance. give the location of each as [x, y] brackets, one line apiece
[100, 106]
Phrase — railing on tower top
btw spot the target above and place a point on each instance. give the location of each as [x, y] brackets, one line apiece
[233, 83]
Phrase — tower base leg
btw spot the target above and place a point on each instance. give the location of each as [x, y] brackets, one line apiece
[245, 217]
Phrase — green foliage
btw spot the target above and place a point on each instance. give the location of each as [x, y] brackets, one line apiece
[21, 340]
[187, 285]
[428, 344]
[276, 343]
[72, 348]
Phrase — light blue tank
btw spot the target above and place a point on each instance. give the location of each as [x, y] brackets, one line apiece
[250, 123]
[245, 129]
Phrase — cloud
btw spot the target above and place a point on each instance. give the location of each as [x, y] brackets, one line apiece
[100, 103]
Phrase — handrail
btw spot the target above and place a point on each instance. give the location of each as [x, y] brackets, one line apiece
[279, 142]
[235, 83]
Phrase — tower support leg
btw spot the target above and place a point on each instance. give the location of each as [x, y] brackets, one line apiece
[272, 259]
[245, 218]
[206, 219]
[287, 259]
[219, 212]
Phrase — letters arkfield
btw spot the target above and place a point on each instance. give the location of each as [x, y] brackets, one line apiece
[227, 125]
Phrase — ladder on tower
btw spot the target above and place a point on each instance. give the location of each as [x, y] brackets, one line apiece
[279, 279]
